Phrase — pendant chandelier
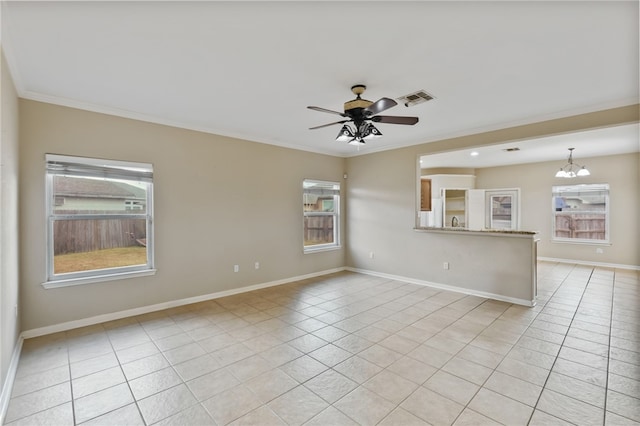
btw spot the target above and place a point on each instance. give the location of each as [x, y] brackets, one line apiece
[571, 169]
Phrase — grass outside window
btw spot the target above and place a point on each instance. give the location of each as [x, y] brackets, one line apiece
[99, 259]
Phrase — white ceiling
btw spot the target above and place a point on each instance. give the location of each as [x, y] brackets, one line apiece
[592, 143]
[249, 69]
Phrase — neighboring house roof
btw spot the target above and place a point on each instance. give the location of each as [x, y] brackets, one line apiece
[95, 188]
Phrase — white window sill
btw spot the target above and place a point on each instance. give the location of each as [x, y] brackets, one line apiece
[308, 250]
[97, 279]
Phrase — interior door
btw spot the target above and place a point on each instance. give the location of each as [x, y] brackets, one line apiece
[502, 208]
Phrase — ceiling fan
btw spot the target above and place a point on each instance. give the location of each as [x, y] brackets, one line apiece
[360, 115]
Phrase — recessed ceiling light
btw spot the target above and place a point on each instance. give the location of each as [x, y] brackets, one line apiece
[474, 153]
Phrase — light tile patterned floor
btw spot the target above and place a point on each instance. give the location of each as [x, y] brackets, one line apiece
[350, 349]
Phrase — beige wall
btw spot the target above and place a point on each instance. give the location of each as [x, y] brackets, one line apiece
[9, 289]
[218, 202]
[222, 201]
[535, 181]
[381, 199]
[447, 171]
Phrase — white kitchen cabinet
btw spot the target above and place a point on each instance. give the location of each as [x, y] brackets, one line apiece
[475, 209]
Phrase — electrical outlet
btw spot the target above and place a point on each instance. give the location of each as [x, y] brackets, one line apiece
[371, 255]
[445, 265]
[236, 268]
[257, 265]
[15, 309]
[599, 250]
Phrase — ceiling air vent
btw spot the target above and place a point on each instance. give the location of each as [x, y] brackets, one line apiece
[511, 149]
[415, 98]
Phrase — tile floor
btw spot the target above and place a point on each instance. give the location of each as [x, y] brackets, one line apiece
[350, 349]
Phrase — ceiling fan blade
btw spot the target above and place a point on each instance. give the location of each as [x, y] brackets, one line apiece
[315, 108]
[390, 119]
[330, 124]
[379, 106]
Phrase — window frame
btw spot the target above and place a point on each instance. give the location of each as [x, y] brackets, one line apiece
[601, 187]
[336, 244]
[62, 165]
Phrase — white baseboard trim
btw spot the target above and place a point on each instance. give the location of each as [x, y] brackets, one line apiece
[528, 303]
[7, 386]
[583, 262]
[166, 305]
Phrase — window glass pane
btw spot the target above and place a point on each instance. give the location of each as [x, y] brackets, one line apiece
[581, 226]
[318, 230]
[84, 195]
[321, 207]
[88, 244]
[95, 167]
[581, 212]
[318, 203]
[501, 213]
[327, 205]
[100, 217]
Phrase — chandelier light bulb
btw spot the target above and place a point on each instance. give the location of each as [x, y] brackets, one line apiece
[583, 172]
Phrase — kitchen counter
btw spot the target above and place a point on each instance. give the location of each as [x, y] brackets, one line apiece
[476, 231]
[495, 263]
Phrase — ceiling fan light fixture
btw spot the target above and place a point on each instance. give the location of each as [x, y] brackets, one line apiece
[360, 115]
[370, 132]
[345, 135]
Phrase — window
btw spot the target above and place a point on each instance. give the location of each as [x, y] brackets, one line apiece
[581, 213]
[100, 223]
[321, 209]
